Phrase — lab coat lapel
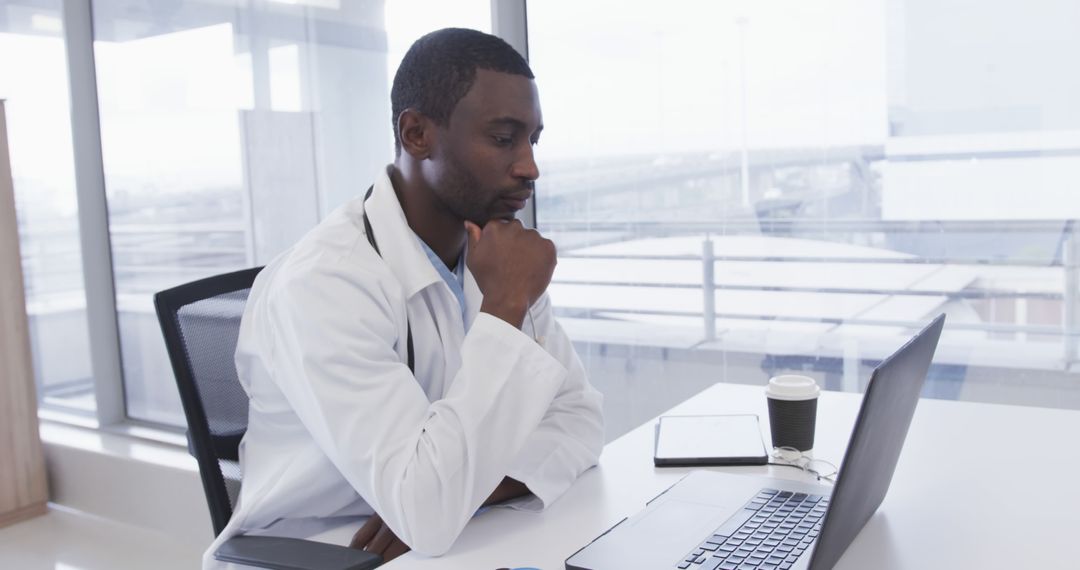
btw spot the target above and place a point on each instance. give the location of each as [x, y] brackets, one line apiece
[473, 297]
[399, 246]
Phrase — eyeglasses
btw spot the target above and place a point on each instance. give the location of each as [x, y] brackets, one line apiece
[791, 457]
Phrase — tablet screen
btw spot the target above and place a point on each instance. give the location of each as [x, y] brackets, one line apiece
[709, 440]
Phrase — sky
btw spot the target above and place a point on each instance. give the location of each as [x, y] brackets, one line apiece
[616, 78]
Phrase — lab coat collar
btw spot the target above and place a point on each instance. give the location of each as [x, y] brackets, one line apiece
[399, 246]
[473, 296]
[402, 251]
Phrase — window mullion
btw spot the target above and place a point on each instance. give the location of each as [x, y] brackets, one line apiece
[101, 313]
[508, 21]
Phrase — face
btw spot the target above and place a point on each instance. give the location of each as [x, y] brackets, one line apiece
[482, 164]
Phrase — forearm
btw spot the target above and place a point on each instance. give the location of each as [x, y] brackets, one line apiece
[571, 436]
[468, 440]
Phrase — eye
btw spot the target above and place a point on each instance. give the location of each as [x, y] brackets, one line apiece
[503, 140]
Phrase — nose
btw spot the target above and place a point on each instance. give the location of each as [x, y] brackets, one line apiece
[524, 166]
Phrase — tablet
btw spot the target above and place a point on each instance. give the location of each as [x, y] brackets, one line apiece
[709, 440]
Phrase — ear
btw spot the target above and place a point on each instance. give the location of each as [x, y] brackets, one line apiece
[417, 133]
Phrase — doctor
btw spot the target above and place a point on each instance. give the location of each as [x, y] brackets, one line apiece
[401, 360]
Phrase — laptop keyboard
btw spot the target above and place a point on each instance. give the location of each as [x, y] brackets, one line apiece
[770, 533]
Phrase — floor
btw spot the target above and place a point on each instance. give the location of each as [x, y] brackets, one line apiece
[69, 540]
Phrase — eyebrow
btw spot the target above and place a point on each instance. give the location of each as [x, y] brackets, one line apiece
[516, 123]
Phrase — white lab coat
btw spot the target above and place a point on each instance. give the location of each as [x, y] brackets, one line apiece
[339, 426]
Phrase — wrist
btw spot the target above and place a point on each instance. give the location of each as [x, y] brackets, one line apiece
[510, 310]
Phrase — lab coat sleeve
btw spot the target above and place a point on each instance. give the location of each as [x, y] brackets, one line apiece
[425, 467]
[570, 437]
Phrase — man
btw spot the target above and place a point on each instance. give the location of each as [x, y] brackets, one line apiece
[402, 360]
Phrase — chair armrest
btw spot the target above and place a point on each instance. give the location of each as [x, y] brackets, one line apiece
[279, 553]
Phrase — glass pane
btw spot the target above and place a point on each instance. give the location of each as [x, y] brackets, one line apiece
[39, 135]
[228, 130]
[742, 189]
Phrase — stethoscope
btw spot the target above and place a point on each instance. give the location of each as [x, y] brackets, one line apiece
[375, 246]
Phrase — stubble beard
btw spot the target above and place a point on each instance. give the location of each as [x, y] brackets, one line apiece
[459, 196]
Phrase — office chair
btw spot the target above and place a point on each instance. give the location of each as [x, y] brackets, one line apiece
[201, 321]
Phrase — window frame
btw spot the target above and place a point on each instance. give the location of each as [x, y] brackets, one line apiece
[508, 22]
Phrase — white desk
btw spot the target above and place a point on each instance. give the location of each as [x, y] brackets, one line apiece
[978, 486]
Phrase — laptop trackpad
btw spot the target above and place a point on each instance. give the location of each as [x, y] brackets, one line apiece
[656, 540]
[683, 515]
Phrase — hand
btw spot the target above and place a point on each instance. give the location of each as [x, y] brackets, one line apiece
[377, 538]
[512, 266]
[509, 488]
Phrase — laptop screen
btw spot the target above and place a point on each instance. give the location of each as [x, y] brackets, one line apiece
[876, 441]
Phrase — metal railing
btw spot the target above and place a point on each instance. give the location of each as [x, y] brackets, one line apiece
[1065, 256]
[135, 254]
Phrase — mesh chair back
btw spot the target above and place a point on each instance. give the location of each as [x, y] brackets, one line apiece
[200, 322]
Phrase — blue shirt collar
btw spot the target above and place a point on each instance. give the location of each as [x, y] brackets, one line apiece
[454, 279]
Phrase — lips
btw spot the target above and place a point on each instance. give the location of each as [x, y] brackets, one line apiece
[516, 200]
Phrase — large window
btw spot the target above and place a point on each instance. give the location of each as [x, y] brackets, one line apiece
[740, 189]
[35, 86]
[228, 130]
[737, 189]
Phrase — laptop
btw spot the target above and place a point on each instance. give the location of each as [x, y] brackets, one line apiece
[710, 520]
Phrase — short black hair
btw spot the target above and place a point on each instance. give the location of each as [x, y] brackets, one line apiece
[439, 69]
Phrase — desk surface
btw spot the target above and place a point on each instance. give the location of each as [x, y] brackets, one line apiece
[977, 486]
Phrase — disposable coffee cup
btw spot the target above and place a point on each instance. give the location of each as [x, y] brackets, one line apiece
[792, 410]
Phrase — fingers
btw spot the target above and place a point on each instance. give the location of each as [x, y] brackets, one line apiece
[382, 540]
[366, 532]
[396, 548]
[474, 233]
[376, 537]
